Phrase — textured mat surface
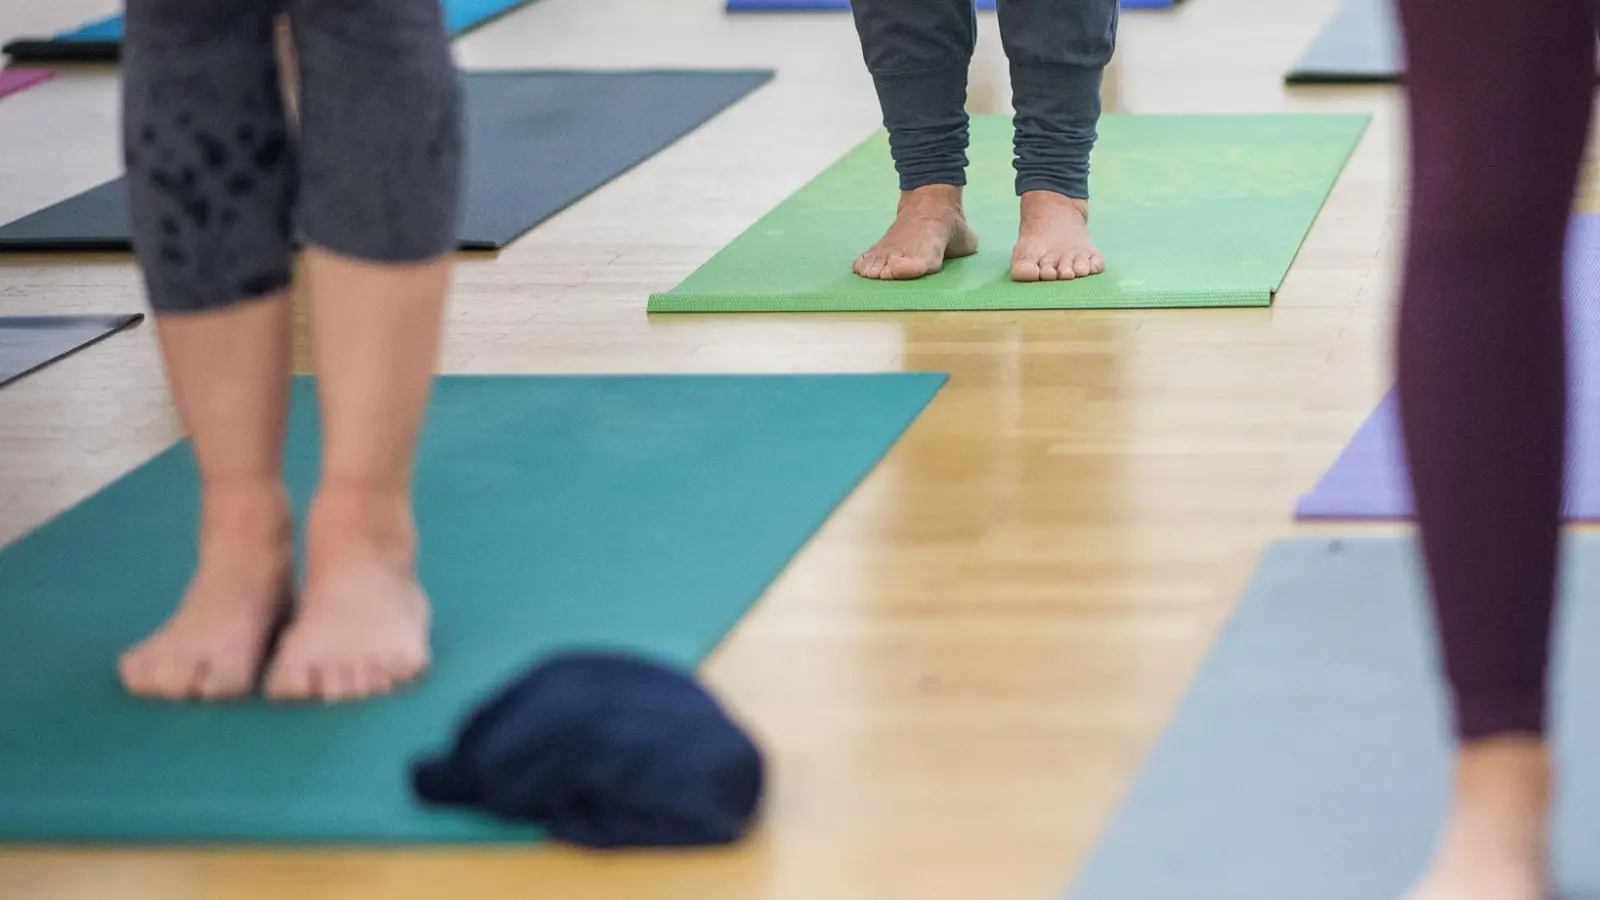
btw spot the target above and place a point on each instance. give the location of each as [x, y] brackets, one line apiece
[1310, 757]
[29, 343]
[644, 514]
[537, 142]
[1369, 479]
[1189, 210]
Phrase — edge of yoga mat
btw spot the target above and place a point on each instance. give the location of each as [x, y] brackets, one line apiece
[17, 80]
[1369, 479]
[918, 296]
[1309, 756]
[883, 407]
[484, 227]
[913, 300]
[109, 325]
[101, 40]
[1360, 45]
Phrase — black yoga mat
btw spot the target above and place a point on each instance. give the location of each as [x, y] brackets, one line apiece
[1311, 757]
[29, 343]
[537, 141]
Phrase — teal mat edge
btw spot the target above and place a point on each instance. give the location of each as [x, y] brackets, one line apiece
[671, 301]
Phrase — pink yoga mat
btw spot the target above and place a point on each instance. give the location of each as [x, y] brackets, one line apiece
[13, 80]
[1369, 480]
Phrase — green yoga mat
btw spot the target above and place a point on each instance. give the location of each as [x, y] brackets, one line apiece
[1189, 211]
[643, 514]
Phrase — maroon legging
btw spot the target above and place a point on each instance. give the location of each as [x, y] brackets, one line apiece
[1500, 96]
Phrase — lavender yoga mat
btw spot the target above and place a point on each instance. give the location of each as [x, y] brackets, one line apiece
[1369, 479]
[14, 80]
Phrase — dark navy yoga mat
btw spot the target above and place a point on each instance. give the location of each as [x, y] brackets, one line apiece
[640, 514]
[1369, 479]
[101, 40]
[29, 343]
[537, 142]
[1310, 759]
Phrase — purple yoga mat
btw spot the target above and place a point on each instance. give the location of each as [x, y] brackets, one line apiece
[1369, 480]
[13, 80]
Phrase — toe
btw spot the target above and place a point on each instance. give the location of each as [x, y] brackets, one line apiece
[1052, 268]
[288, 679]
[1097, 264]
[1081, 266]
[905, 268]
[1024, 269]
[339, 681]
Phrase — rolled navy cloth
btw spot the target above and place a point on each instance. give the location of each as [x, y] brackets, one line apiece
[604, 751]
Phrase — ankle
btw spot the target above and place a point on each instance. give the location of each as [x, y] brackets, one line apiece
[248, 511]
[1046, 201]
[948, 196]
[1510, 771]
[350, 517]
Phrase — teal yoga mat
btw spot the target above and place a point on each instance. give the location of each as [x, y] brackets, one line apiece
[636, 513]
[1311, 757]
[101, 40]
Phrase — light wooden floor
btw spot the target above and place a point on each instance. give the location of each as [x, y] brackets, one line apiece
[958, 677]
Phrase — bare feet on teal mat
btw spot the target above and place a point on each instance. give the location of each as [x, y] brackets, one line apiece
[1053, 242]
[929, 228]
[361, 628]
[212, 647]
[1494, 846]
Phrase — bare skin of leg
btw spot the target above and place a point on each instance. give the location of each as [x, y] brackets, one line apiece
[1053, 242]
[229, 374]
[929, 228]
[1495, 846]
[362, 623]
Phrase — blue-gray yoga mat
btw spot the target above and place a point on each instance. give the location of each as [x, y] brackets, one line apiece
[1310, 758]
[29, 343]
[1359, 45]
[637, 513]
[101, 40]
[537, 142]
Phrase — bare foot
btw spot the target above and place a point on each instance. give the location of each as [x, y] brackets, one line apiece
[1495, 846]
[361, 628]
[1053, 243]
[212, 647]
[929, 228]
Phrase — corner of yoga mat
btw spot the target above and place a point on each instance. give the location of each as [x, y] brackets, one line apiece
[29, 343]
[644, 514]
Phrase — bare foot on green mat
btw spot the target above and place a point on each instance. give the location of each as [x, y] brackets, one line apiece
[1494, 846]
[212, 647]
[361, 628]
[929, 228]
[1053, 243]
